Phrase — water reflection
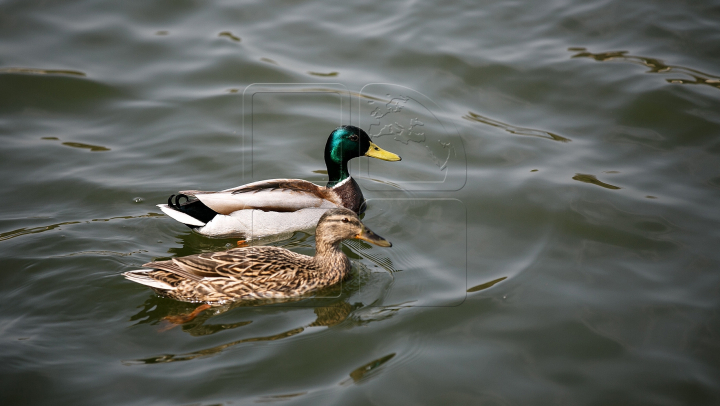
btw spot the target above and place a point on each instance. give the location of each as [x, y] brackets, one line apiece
[356, 249]
[165, 358]
[268, 60]
[655, 65]
[109, 253]
[275, 398]
[34, 230]
[93, 148]
[329, 74]
[228, 34]
[154, 311]
[512, 129]
[349, 92]
[593, 180]
[486, 285]
[157, 309]
[384, 182]
[43, 71]
[362, 372]
[191, 243]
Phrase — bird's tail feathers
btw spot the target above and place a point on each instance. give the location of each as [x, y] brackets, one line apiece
[141, 276]
[180, 216]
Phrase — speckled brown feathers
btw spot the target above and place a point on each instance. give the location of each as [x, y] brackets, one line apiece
[244, 274]
[261, 272]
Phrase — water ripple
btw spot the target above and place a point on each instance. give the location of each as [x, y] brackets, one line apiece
[165, 358]
[228, 34]
[592, 179]
[655, 65]
[35, 71]
[329, 74]
[327, 316]
[512, 129]
[486, 285]
[34, 230]
[361, 372]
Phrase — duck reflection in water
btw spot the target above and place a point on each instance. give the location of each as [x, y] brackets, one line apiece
[328, 313]
[158, 310]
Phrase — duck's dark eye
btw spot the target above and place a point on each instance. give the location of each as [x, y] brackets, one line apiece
[353, 137]
[344, 220]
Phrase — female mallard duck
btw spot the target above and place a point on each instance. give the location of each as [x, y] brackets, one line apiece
[280, 205]
[261, 272]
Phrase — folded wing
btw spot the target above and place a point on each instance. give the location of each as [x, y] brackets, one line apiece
[280, 195]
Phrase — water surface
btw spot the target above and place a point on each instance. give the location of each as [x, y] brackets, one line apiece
[554, 219]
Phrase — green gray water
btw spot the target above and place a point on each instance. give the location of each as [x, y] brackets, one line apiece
[554, 220]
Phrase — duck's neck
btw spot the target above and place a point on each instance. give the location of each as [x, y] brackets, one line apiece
[337, 171]
[330, 258]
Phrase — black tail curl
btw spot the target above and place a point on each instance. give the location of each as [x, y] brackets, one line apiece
[176, 205]
[193, 208]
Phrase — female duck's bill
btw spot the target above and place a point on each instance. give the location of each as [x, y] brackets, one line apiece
[368, 235]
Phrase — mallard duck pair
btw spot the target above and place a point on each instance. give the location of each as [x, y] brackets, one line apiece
[264, 272]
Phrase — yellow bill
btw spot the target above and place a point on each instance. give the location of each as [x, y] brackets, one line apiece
[379, 153]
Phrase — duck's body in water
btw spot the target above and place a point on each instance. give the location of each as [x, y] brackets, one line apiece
[263, 272]
[278, 206]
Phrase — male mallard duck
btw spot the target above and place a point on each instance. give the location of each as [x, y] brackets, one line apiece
[280, 205]
[261, 272]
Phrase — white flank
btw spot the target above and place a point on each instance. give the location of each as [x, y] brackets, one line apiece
[140, 276]
[264, 223]
[224, 226]
[253, 224]
[180, 216]
[227, 202]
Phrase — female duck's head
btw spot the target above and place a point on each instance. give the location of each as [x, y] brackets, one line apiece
[343, 224]
[348, 142]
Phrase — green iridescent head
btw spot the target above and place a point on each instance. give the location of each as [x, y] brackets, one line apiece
[348, 142]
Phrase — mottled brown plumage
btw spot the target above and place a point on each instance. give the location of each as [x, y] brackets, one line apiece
[262, 272]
